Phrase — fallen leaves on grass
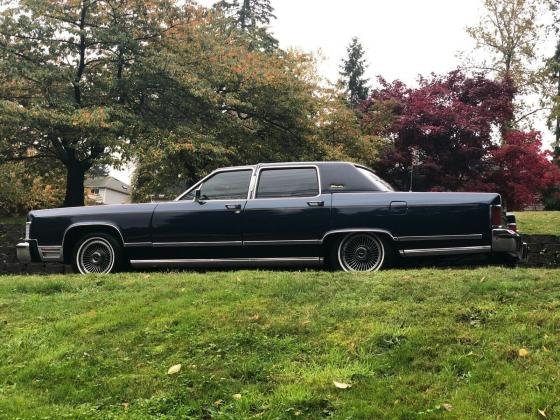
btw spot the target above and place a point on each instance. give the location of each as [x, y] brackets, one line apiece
[341, 385]
[523, 352]
[174, 369]
[255, 317]
[542, 413]
[447, 407]
[236, 396]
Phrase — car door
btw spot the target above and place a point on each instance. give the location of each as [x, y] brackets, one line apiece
[214, 220]
[286, 207]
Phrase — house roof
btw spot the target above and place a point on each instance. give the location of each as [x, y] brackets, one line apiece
[109, 183]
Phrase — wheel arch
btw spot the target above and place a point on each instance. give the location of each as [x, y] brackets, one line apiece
[78, 230]
[333, 235]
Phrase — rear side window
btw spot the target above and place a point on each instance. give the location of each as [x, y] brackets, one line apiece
[293, 182]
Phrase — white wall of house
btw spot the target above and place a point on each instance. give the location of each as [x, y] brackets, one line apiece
[113, 197]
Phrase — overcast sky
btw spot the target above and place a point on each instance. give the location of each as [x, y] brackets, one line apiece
[402, 38]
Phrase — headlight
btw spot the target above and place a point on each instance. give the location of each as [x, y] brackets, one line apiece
[27, 230]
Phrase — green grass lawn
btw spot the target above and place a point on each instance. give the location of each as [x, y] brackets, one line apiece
[538, 222]
[412, 344]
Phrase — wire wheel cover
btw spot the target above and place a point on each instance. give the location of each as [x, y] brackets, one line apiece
[361, 252]
[95, 255]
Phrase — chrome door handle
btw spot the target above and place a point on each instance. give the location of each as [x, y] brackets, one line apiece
[315, 203]
[233, 206]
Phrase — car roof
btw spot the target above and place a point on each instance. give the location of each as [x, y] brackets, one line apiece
[302, 163]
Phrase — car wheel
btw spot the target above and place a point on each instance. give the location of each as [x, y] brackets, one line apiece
[97, 254]
[362, 252]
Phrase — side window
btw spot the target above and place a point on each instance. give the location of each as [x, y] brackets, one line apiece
[230, 185]
[293, 182]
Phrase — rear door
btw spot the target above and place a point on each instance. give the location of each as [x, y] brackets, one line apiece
[287, 207]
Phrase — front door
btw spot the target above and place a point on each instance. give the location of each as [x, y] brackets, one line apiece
[287, 208]
[214, 220]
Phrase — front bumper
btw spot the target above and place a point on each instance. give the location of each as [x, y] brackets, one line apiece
[23, 252]
[505, 241]
[28, 251]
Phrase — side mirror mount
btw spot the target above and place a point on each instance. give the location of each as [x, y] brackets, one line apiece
[197, 196]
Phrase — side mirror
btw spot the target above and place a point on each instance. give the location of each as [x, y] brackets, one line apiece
[197, 196]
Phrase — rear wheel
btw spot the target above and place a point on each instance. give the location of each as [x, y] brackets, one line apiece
[97, 253]
[361, 252]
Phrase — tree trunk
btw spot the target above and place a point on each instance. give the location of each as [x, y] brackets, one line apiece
[75, 175]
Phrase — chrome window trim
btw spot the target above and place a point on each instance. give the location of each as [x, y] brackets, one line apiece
[217, 171]
[459, 250]
[302, 166]
[440, 237]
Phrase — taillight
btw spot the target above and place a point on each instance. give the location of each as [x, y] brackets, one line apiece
[496, 215]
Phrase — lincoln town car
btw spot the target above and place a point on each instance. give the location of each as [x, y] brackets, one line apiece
[338, 214]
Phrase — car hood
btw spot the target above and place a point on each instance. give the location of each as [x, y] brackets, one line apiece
[101, 210]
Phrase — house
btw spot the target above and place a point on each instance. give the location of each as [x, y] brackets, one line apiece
[106, 190]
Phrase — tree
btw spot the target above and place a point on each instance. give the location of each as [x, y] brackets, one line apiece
[551, 96]
[70, 73]
[253, 17]
[452, 122]
[449, 119]
[230, 104]
[509, 32]
[28, 185]
[352, 72]
[521, 171]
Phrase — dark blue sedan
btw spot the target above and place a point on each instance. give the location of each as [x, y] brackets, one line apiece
[337, 213]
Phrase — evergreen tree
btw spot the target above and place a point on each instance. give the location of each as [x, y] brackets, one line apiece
[555, 76]
[252, 16]
[352, 73]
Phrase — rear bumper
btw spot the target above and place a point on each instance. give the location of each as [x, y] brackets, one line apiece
[505, 241]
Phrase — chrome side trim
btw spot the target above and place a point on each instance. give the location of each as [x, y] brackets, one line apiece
[137, 244]
[352, 230]
[286, 242]
[50, 253]
[446, 251]
[201, 262]
[187, 244]
[439, 237]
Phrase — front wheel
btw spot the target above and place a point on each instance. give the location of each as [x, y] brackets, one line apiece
[97, 254]
[362, 252]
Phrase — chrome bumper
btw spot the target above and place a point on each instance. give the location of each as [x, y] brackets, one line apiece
[507, 241]
[23, 252]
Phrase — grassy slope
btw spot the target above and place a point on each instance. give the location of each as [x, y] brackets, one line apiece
[407, 341]
[538, 222]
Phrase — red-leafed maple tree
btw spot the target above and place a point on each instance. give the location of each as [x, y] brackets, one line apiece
[458, 127]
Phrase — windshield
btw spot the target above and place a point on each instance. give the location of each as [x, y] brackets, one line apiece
[375, 180]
